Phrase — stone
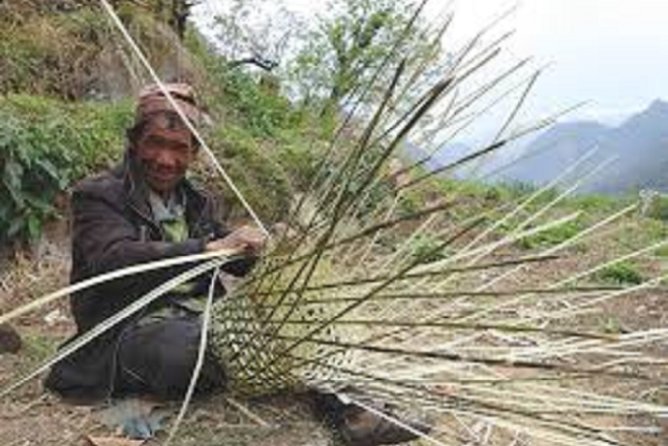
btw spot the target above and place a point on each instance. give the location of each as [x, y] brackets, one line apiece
[10, 341]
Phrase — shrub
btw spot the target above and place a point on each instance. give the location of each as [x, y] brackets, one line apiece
[424, 249]
[613, 325]
[621, 273]
[45, 145]
[256, 170]
[661, 252]
[553, 236]
[598, 204]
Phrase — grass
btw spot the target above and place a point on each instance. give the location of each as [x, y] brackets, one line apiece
[51, 54]
[269, 172]
[36, 349]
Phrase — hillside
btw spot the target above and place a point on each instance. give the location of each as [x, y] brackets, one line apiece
[67, 77]
[639, 145]
[67, 49]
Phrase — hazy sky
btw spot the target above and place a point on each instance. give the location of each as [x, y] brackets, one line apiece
[613, 53]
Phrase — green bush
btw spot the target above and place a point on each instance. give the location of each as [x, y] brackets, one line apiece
[613, 325]
[299, 157]
[598, 204]
[552, 237]
[661, 252]
[621, 273]
[45, 145]
[253, 165]
[424, 248]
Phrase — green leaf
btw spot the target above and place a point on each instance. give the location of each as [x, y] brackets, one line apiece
[16, 226]
[41, 204]
[6, 211]
[53, 172]
[34, 227]
[13, 174]
[12, 180]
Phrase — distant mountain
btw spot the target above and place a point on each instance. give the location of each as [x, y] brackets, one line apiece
[451, 153]
[446, 155]
[552, 152]
[640, 145]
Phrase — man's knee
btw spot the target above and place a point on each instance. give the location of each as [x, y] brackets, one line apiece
[159, 358]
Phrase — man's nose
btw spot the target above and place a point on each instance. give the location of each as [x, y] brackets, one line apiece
[166, 158]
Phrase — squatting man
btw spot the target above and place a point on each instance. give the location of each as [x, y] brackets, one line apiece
[145, 210]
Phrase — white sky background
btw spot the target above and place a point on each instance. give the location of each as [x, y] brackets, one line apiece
[613, 53]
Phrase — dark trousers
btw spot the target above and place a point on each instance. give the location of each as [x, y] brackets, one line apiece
[158, 358]
[151, 358]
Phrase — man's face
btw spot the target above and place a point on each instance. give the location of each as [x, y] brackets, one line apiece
[165, 151]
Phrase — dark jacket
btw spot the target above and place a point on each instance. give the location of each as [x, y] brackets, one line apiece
[113, 228]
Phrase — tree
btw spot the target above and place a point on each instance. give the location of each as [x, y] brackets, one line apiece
[255, 32]
[326, 61]
[350, 43]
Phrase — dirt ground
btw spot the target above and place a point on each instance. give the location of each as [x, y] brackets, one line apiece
[32, 417]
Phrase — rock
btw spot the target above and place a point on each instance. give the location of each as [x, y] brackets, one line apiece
[10, 341]
[54, 318]
[654, 204]
[112, 441]
[136, 418]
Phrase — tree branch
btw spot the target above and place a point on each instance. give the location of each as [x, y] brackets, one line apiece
[258, 61]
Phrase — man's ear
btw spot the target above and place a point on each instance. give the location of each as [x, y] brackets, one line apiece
[133, 134]
[195, 145]
[130, 135]
[131, 147]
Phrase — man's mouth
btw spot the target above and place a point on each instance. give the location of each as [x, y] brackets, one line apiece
[163, 177]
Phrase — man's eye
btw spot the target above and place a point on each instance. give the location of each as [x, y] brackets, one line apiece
[178, 148]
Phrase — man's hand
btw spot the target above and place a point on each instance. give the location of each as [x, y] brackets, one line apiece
[247, 240]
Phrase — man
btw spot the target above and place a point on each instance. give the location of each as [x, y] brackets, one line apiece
[141, 211]
[145, 210]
